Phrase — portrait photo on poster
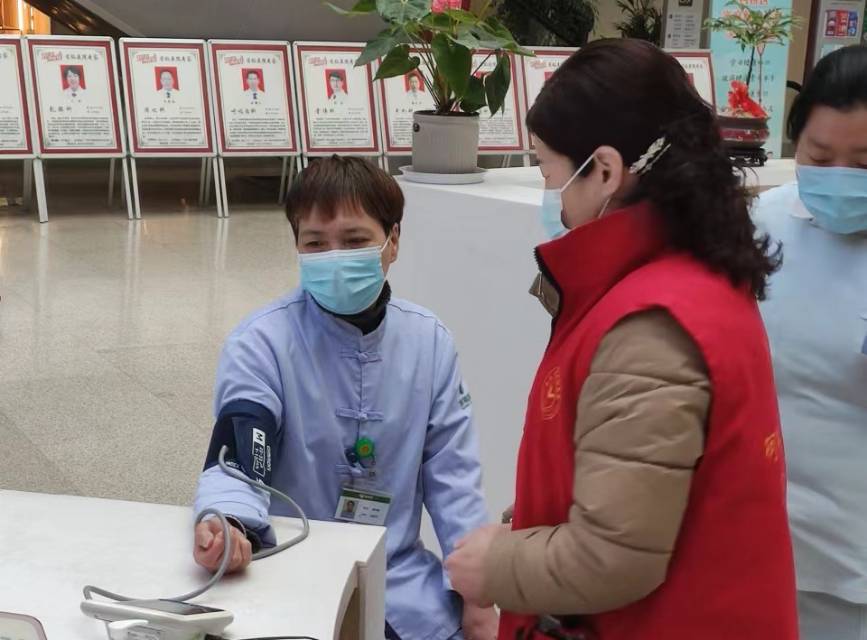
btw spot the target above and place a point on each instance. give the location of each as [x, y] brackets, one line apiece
[166, 81]
[72, 79]
[336, 85]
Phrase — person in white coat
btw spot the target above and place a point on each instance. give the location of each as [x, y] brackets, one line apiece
[816, 316]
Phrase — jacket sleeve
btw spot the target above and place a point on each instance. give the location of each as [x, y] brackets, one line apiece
[247, 396]
[451, 471]
[638, 436]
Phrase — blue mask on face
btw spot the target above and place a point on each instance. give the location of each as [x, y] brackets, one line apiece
[551, 214]
[835, 196]
[344, 282]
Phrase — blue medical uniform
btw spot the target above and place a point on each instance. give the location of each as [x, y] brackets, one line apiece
[327, 385]
[816, 317]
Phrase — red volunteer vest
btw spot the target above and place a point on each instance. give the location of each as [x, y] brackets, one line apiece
[732, 574]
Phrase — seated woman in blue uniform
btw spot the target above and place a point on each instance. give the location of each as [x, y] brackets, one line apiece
[350, 389]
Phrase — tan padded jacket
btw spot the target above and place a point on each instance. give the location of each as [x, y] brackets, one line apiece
[638, 437]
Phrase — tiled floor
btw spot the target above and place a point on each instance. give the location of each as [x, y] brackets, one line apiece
[110, 333]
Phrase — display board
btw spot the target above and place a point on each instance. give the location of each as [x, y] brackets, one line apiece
[769, 78]
[167, 94]
[337, 100]
[253, 98]
[839, 23]
[503, 132]
[536, 71]
[699, 67]
[76, 96]
[15, 140]
[401, 97]
[684, 23]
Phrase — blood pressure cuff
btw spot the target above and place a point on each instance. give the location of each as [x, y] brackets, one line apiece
[249, 430]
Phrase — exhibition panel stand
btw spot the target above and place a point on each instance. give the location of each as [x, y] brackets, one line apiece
[337, 103]
[253, 86]
[16, 142]
[535, 73]
[503, 134]
[76, 105]
[699, 67]
[168, 111]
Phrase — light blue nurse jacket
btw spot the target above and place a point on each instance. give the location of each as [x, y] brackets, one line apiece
[326, 385]
[816, 316]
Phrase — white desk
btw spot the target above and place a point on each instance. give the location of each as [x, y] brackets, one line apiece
[467, 254]
[330, 586]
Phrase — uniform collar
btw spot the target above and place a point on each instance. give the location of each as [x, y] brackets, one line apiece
[584, 264]
[346, 333]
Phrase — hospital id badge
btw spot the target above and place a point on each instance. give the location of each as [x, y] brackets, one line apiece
[362, 507]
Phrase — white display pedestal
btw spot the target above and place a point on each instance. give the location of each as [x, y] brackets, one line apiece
[328, 587]
[467, 254]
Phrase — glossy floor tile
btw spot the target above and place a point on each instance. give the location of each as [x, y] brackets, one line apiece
[110, 331]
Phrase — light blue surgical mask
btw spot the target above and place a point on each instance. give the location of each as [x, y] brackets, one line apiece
[344, 282]
[835, 196]
[551, 214]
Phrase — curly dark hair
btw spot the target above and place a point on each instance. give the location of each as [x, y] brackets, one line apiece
[628, 93]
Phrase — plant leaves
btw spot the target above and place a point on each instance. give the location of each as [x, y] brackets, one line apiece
[361, 8]
[487, 39]
[401, 11]
[437, 21]
[459, 15]
[465, 37]
[454, 62]
[381, 45]
[474, 98]
[497, 83]
[396, 63]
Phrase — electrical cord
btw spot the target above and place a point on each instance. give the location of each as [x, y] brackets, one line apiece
[89, 590]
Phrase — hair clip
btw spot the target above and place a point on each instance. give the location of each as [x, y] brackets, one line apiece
[650, 157]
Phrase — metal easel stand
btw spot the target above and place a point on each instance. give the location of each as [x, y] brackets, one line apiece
[213, 168]
[124, 192]
[41, 199]
[203, 179]
[286, 176]
[220, 186]
[27, 184]
[135, 194]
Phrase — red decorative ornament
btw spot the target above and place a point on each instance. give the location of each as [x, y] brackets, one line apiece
[741, 104]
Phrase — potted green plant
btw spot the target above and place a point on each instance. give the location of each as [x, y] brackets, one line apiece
[438, 38]
[744, 121]
[643, 20]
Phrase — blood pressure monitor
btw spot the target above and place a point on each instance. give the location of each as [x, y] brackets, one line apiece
[18, 627]
[157, 619]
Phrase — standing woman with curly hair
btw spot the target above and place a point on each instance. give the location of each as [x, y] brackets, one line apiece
[651, 480]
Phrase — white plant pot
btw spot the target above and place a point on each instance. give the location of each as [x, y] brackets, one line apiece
[445, 144]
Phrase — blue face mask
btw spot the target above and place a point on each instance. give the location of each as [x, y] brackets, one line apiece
[551, 214]
[344, 282]
[835, 196]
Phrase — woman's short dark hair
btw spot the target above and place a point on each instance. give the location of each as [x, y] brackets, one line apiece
[330, 183]
[839, 81]
[627, 94]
